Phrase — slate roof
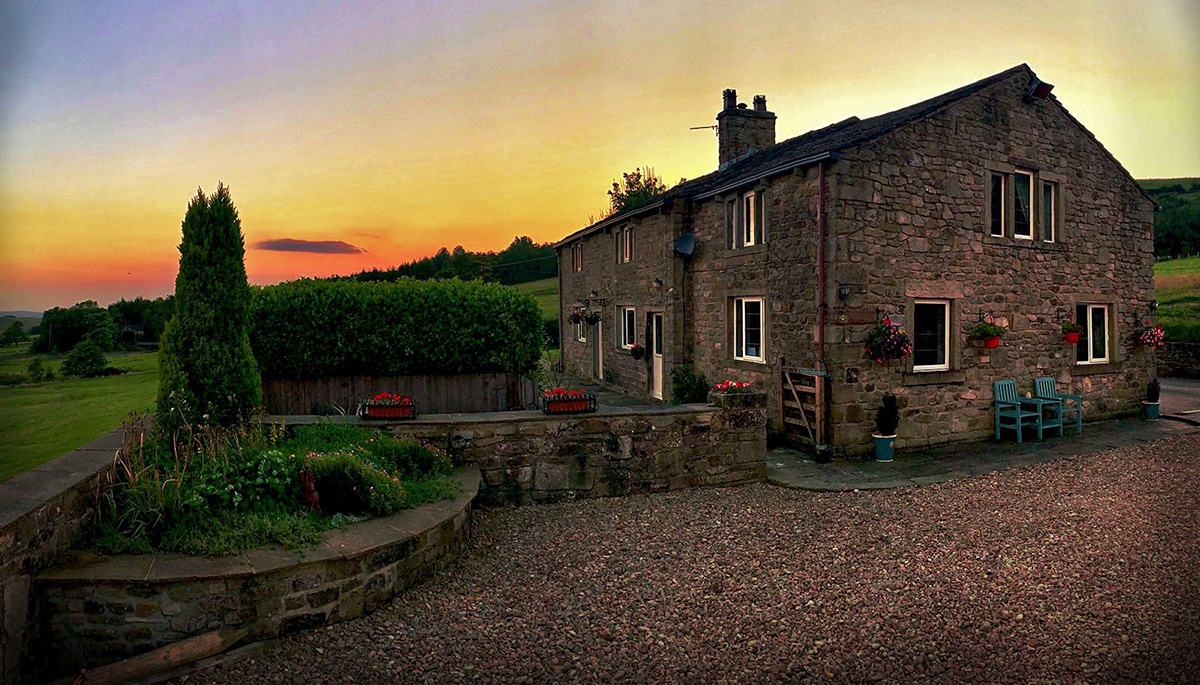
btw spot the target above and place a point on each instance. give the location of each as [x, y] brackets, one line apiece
[790, 153]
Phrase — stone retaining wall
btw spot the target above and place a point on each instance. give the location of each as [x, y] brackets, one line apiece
[527, 457]
[102, 611]
[1179, 360]
[41, 510]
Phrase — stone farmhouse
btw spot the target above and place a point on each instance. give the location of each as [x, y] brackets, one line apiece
[990, 202]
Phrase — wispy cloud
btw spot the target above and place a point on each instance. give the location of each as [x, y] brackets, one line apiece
[313, 246]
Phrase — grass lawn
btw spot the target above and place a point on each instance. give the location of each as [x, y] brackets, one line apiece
[1177, 287]
[545, 292]
[44, 421]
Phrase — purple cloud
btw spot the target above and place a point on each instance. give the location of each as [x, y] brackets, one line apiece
[312, 246]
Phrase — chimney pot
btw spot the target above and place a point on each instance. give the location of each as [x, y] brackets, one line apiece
[760, 103]
[729, 99]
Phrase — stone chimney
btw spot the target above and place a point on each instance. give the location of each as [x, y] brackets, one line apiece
[741, 131]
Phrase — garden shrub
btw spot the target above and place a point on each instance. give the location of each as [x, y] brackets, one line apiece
[550, 333]
[408, 457]
[308, 329]
[687, 386]
[208, 373]
[86, 360]
[349, 485]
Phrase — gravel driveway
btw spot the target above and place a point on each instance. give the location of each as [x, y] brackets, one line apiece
[1082, 570]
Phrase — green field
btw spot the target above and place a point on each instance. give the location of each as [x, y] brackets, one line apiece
[545, 292]
[44, 421]
[1177, 288]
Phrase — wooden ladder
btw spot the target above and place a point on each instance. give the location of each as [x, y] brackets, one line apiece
[803, 405]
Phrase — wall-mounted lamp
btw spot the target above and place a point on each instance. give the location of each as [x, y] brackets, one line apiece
[657, 283]
[1153, 306]
[843, 291]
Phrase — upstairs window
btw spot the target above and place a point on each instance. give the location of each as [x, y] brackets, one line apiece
[627, 325]
[748, 329]
[931, 335]
[746, 219]
[1092, 347]
[1022, 205]
[577, 257]
[1049, 204]
[997, 194]
[581, 332]
[625, 245]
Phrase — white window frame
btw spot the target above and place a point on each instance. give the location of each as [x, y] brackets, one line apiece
[626, 241]
[577, 257]
[1050, 230]
[739, 329]
[945, 365]
[581, 332]
[1032, 218]
[1090, 310]
[1003, 203]
[627, 325]
[749, 219]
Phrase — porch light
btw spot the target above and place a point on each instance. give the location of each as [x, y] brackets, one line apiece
[843, 291]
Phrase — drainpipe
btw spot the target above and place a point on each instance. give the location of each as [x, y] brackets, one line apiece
[823, 450]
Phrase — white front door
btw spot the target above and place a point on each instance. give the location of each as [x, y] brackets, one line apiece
[656, 355]
[599, 365]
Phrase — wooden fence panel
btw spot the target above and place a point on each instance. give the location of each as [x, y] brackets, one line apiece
[449, 394]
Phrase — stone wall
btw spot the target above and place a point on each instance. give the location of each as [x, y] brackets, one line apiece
[41, 510]
[1179, 360]
[95, 612]
[529, 457]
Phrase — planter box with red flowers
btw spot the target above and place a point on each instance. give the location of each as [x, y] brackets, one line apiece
[736, 395]
[561, 401]
[388, 405]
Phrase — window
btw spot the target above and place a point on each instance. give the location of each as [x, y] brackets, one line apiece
[625, 245]
[1093, 342]
[627, 325]
[749, 220]
[748, 329]
[577, 257]
[1049, 209]
[931, 335]
[997, 195]
[581, 331]
[1022, 195]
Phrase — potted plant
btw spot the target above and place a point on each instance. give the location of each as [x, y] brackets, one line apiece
[637, 351]
[988, 332]
[1150, 404]
[576, 315]
[1072, 331]
[887, 420]
[563, 401]
[1151, 336]
[388, 405]
[731, 394]
[887, 341]
[592, 318]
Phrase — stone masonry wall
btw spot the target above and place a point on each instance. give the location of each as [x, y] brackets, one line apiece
[909, 222]
[99, 612]
[1179, 360]
[538, 458]
[41, 510]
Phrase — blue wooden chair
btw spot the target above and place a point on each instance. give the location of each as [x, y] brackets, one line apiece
[1012, 412]
[1043, 388]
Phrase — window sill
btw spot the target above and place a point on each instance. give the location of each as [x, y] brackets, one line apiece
[934, 377]
[1105, 369]
[1023, 243]
[753, 249]
[747, 365]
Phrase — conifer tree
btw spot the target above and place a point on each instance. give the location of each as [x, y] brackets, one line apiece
[207, 369]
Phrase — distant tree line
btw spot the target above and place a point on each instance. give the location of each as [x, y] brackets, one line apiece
[122, 324]
[1176, 219]
[522, 261]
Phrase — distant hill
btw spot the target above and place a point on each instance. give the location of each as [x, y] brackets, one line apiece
[22, 314]
[1177, 218]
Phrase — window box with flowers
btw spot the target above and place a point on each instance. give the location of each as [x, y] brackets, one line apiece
[886, 341]
[736, 395]
[562, 401]
[389, 405]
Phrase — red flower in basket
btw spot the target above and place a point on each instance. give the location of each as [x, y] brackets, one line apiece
[390, 405]
[562, 401]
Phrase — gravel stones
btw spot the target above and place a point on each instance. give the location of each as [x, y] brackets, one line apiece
[1080, 570]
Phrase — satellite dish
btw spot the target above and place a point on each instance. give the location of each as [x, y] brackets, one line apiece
[685, 245]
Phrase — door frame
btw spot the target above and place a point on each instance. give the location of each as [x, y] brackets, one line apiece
[658, 354]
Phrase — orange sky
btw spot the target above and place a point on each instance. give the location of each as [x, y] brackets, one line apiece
[403, 129]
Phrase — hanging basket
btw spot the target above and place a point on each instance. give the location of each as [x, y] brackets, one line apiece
[992, 342]
[1072, 338]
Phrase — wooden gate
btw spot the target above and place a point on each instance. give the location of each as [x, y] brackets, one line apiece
[803, 405]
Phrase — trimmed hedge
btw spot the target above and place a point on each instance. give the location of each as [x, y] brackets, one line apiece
[311, 329]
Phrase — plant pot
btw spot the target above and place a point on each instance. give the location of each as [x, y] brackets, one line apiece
[587, 403]
[992, 342]
[1151, 410]
[1071, 337]
[393, 411]
[637, 352]
[884, 447]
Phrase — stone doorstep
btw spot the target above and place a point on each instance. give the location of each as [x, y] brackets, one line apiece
[357, 539]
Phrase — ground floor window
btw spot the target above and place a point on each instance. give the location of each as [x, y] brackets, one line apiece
[627, 325]
[931, 335]
[1092, 347]
[581, 331]
[748, 329]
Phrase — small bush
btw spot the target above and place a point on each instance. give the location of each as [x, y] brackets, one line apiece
[7, 379]
[349, 485]
[687, 386]
[86, 360]
[408, 458]
[550, 333]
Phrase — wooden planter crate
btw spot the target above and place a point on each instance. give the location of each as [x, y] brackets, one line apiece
[573, 405]
[400, 411]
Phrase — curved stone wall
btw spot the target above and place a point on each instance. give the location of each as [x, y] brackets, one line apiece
[97, 611]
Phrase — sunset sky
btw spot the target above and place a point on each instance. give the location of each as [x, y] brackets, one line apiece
[387, 130]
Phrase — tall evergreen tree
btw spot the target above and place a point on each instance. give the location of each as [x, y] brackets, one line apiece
[208, 373]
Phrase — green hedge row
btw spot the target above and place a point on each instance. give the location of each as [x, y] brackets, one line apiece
[309, 329]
